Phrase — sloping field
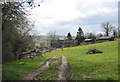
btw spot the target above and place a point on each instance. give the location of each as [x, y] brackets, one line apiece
[103, 66]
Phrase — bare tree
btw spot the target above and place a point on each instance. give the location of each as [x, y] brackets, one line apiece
[91, 35]
[52, 36]
[99, 35]
[107, 28]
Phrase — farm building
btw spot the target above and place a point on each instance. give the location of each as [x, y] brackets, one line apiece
[88, 41]
[63, 43]
[71, 43]
[106, 39]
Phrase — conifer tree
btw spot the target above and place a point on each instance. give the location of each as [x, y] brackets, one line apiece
[80, 36]
[69, 37]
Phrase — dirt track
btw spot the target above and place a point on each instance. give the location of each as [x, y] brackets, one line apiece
[43, 68]
[63, 69]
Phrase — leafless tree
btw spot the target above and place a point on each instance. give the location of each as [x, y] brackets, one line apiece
[52, 35]
[99, 35]
[107, 28]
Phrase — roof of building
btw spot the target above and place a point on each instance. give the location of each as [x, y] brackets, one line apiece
[104, 38]
[88, 39]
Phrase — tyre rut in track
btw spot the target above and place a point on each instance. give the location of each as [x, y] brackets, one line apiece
[43, 68]
[63, 69]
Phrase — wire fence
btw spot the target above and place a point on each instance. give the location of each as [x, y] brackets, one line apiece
[86, 46]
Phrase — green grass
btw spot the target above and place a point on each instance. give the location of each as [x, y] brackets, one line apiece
[13, 70]
[103, 66]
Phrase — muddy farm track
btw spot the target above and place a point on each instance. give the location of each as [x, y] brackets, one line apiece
[43, 68]
[62, 71]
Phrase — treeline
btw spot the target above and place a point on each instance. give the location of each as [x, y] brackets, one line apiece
[16, 31]
[108, 31]
[107, 28]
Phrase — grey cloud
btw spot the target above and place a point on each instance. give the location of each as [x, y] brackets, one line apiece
[89, 23]
[92, 19]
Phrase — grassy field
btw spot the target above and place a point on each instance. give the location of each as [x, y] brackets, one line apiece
[13, 70]
[103, 66]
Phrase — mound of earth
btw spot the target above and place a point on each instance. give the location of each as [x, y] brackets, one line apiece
[94, 51]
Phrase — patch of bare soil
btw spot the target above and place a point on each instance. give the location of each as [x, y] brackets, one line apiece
[43, 68]
[63, 69]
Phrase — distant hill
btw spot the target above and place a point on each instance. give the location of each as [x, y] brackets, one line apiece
[44, 38]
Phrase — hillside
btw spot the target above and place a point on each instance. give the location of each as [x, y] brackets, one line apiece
[103, 66]
[43, 38]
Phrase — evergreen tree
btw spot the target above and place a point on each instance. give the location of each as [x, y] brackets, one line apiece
[80, 36]
[69, 37]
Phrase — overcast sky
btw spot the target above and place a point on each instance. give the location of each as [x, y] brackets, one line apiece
[65, 16]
